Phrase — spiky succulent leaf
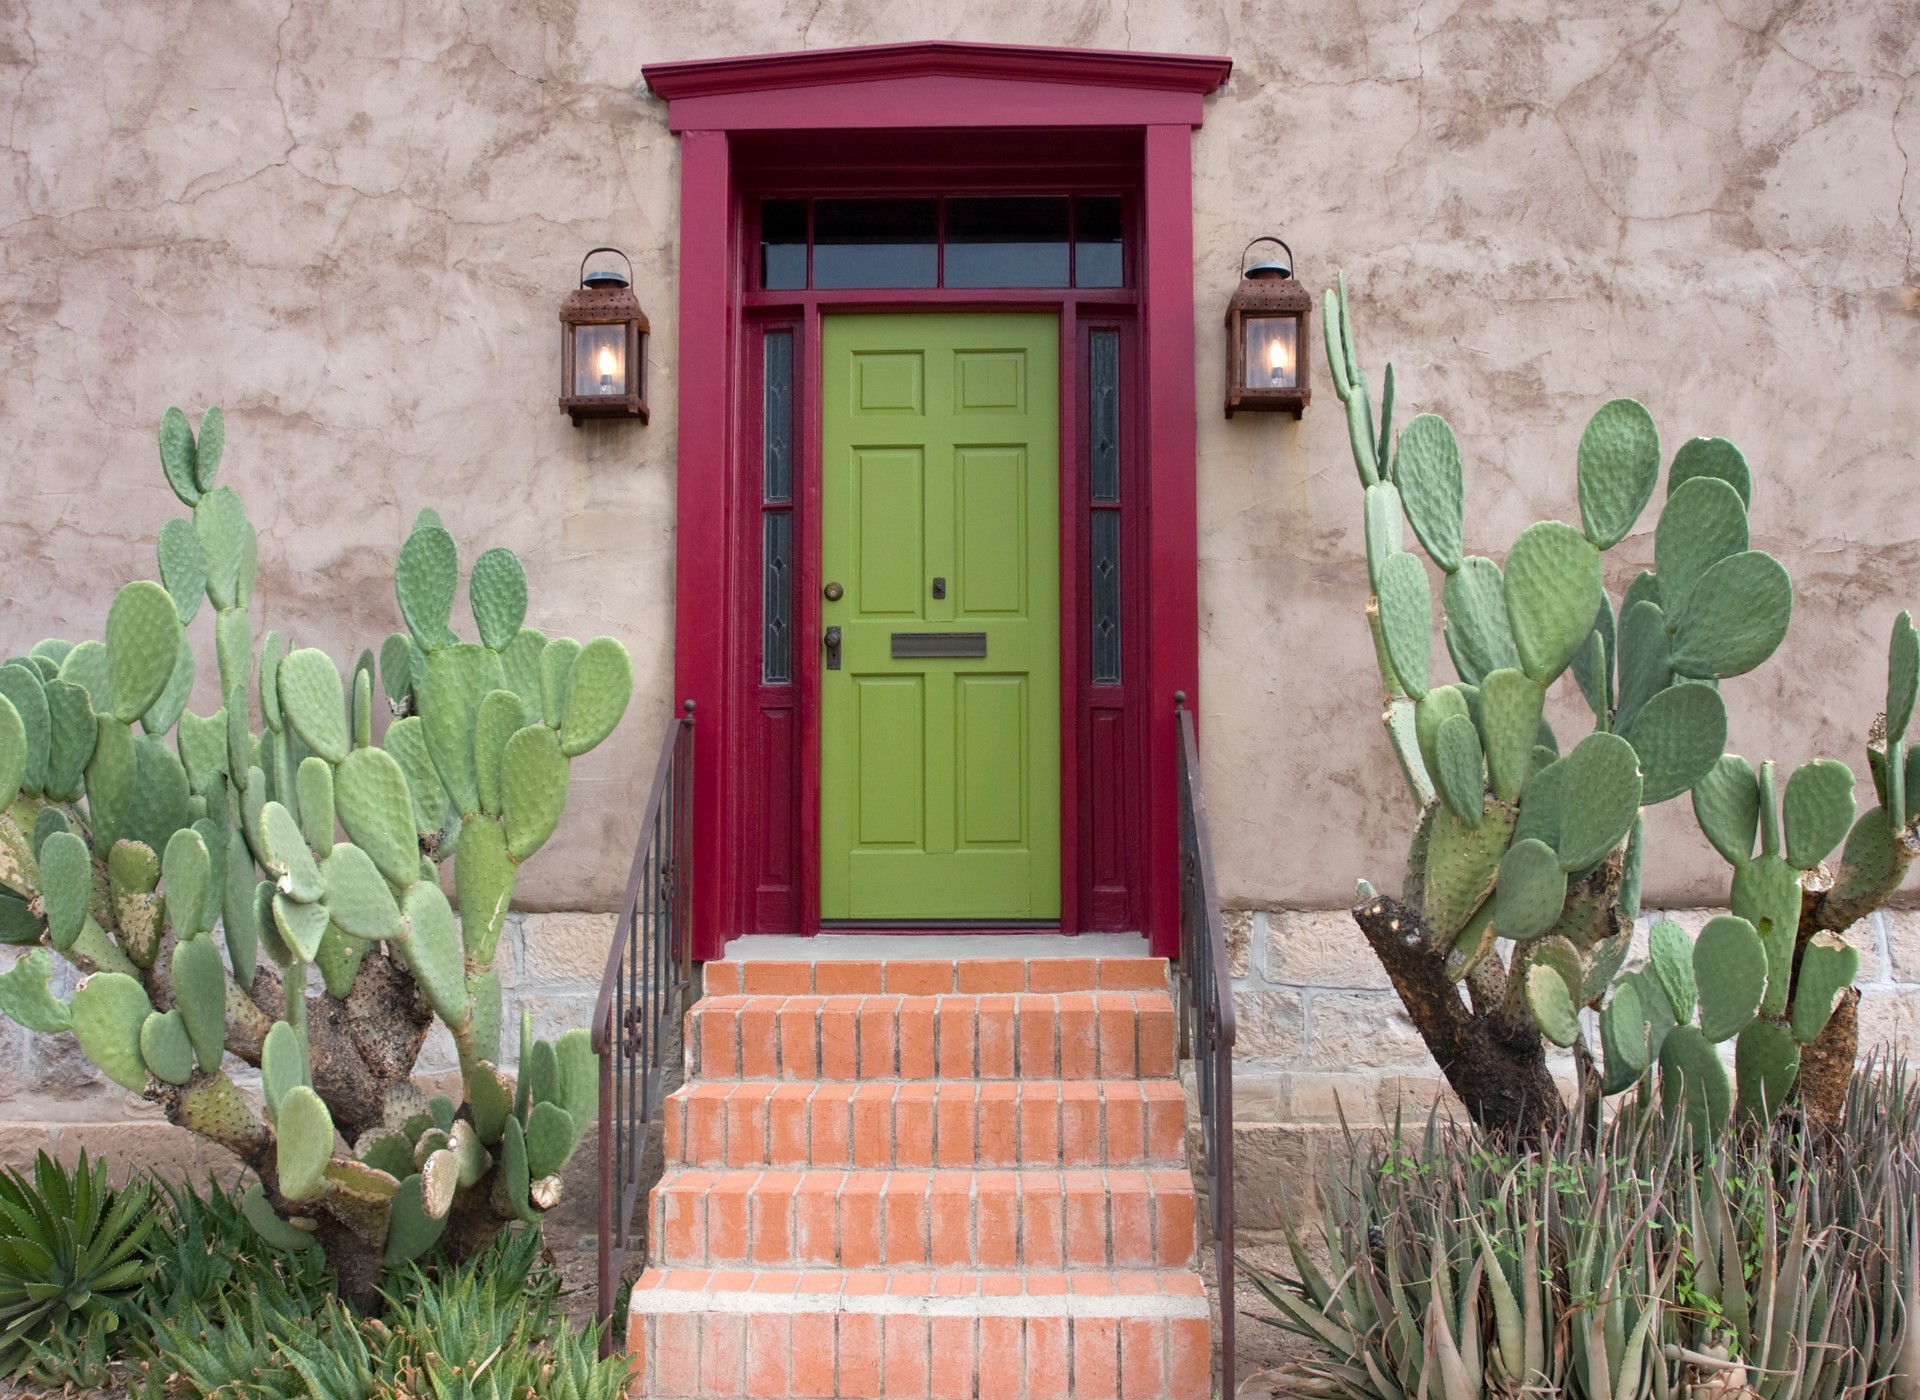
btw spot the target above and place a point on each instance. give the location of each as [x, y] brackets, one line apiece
[1729, 974]
[1553, 590]
[1734, 619]
[1619, 465]
[1711, 457]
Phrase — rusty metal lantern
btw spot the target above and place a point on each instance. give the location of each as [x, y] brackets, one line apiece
[1269, 318]
[603, 346]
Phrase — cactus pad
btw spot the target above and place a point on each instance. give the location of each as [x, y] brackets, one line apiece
[556, 660]
[1677, 736]
[520, 664]
[165, 711]
[285, 854]
[188, 873]
[177, 456]
[1871, 866]
[1903, 676]
[86, 667]
[305, 1143]
[1619, 465]
[439, 1179]
[425, 575]
[283, 1066]
[1434, 709]
[1426, 469]
[411, 1232]
[299, 927]
[1510, 706]
[202, 741]
[1766, 1063]
[270, 656]
[472, 1158]
[26, 999]
[13, 753]
[483, 880]
[1828, 966]
[158, 805]
[357, 897]
[1766, 893]
[1691, 1075]
[109, 1009]
[375, 805]
[72, 735]
[1623, 1037]
[1385, 538]
[497, 591]
[490, 1096]
[550, 1136]
[1553, 1009]
[200, 991]
[433, 953]
[1817, 811]
[228, 538]
[339, 957]
[313, 788]
[1726, 803]
[1553, 590]
[1711, 457]
[1406, 621]
[313, 702]
[1541, 802]
[1531, 891]
[143, 643]
[22, 686]
[66, 884]
[1703, 522]
[1461, 863]
[238, 921]
[396, 666]
[1601, 799]
[1670, 959]
[458, 677]
[166, 1047]
[1479, 637]
[534, 776]
[577, 1076]
[1734, 619]
[1593, 664]
[502, 714]
[1730, 975]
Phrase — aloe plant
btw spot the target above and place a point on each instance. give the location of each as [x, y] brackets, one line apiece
[1630, 1265]
[1523, 876]
[196, 868]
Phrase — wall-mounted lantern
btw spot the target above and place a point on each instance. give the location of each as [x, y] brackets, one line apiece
[603, 348]
[1269, 317]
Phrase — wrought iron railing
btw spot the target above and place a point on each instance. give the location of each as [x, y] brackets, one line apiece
[643, 993]
[1206, 1019]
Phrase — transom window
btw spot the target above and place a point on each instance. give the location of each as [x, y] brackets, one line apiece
[957, 241]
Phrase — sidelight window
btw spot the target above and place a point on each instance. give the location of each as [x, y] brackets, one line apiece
[1103, 493]
[776, 509]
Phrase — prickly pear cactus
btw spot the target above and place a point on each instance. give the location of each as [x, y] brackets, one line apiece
[195, 869]
[1524, 875]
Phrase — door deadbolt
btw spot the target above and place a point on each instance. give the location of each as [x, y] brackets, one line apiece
[939, 588]
[834, 592]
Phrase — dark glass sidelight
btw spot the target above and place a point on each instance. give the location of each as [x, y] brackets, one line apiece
[1103, 466]
[783, 244]
[776, 598]
[876, 243]
[1008, 242]
[776, 553]
[1097, 246]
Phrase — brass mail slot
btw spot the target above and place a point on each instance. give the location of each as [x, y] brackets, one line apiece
[907, 645]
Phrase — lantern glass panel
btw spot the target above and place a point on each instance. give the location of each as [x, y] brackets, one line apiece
[1270, 353]
[600, 360]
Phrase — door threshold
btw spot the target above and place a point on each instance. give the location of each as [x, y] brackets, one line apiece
[938, 944]
[914, 926]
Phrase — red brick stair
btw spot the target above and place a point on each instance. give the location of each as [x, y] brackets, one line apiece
[923, 1179]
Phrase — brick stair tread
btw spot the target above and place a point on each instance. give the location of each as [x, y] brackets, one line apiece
[910, 1335]
[1025, 1218]
[958, 1036]
[916, 1123]
[925, 977]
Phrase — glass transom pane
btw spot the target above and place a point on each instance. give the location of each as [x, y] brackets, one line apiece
[876, 243]
[1007, 242]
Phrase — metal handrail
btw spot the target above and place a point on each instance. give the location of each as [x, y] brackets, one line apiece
[643, 993]
[1206, 1018]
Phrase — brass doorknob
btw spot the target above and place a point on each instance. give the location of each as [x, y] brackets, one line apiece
[834, 592]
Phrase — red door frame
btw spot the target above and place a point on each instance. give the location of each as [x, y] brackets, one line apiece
[952, 88]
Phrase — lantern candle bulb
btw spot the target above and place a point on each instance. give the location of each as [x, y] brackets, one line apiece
[609, 366]
[1280, 372]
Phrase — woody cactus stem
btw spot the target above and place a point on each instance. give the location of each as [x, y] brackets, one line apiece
[1524, 873]
[165, 871]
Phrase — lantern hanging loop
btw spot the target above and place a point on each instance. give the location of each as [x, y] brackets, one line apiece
[629, 262]
[1285, 269]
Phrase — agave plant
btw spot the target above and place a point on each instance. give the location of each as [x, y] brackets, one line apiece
[1631, 1265]
[72, 1256]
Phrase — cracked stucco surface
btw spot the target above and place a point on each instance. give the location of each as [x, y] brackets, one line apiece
[351, 225]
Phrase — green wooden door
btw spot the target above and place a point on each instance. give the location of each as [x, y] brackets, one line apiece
[940, 773]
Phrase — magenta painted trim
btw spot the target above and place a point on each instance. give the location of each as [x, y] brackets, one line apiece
[1173, 624]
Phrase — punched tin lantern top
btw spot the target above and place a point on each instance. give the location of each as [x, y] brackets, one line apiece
[1268, 319]
[603, 361]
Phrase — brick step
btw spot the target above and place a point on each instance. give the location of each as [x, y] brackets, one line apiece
[954, 1123]
[916, 1336]
[941, 1219]
[923, 977]
[1070, 1035]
